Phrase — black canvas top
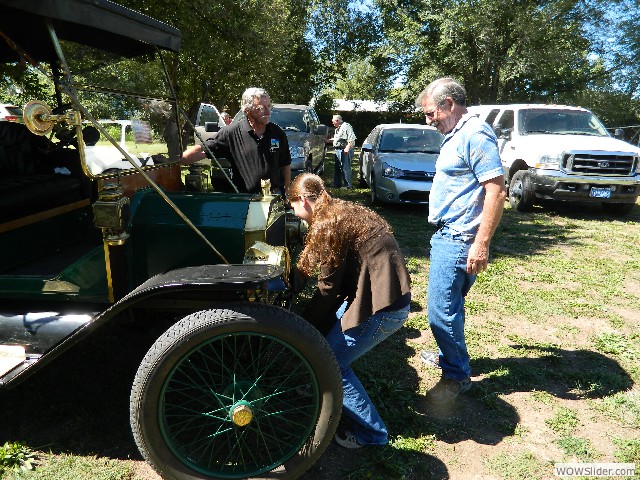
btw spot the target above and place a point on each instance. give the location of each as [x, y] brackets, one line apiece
[99, 23]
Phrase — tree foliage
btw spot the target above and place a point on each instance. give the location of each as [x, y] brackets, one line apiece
[351, 50]
[501, 50]
[571, 51]
[230, 45]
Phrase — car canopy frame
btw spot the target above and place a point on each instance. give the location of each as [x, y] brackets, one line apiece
[99, 23]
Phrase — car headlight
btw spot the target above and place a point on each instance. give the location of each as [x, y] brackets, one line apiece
[391, 171]
[550, 161]
[296, 151]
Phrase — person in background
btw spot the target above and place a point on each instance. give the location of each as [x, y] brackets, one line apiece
[362, 296]
[226, 118]
[465, 204]
[256, 148]
[344, 141]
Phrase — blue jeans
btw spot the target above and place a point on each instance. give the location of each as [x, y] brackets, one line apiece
[343, 168]
[366, 424]
[449, 283]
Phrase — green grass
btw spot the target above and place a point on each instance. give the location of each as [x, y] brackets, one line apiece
[522, 466]
[580, 448]
[73, 467]
[15, 458]
[628, 450]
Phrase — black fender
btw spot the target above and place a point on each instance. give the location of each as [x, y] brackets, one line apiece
[189, 288]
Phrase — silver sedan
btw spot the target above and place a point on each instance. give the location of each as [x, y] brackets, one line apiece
[398, 162]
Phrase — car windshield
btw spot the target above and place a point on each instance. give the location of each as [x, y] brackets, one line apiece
[560, 122]
[130, 99]
[410, 140]
[289, 119]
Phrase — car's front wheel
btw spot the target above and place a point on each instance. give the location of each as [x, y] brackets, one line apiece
[362, 181]
[320, 167]
[373, 198]
[308, 165]
[246, 391]
[521, 194]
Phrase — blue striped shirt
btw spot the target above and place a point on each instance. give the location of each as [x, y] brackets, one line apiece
[468, 157]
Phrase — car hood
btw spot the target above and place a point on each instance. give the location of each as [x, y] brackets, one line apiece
[296, 138]
[423, 162]
[560, 143]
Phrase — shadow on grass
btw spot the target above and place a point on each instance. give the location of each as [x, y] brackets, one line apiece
[482, 416]
[567, 374]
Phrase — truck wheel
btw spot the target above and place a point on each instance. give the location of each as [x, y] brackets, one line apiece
[617, 209]
[521, 196]
[245, 391]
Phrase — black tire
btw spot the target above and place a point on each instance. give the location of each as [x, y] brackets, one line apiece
[373, 196]
[320, 168]
[245, 391]
[362, 182]
[617, 209]
[521, 194]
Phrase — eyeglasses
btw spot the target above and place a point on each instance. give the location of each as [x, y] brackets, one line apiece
[261, 108]
[432, 113]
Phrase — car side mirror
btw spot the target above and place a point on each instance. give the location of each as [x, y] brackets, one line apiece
[321, 130]
[367, 147]
[504, 133]
[211, 126]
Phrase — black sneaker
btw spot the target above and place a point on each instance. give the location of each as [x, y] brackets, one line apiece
[347, 440]
[448, 389]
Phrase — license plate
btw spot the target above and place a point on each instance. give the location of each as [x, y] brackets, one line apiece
[600, 192]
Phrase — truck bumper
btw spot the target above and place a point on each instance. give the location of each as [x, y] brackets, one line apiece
[556, 185]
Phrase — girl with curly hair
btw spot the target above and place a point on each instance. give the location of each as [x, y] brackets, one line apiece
[363, 291]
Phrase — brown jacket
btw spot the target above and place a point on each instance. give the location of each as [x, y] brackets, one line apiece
[370, 280]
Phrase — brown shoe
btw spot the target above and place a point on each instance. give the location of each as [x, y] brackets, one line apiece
[448, 389]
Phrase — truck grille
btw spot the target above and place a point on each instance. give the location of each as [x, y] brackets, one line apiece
[595, 163]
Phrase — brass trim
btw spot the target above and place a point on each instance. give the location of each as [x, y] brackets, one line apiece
[37, 217]
[107, 262]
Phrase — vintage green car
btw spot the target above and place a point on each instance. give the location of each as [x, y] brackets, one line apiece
[97, 230]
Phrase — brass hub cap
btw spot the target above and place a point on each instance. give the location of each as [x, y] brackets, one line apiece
[241, 415]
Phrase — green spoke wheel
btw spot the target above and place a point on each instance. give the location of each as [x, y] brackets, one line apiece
[252, 391]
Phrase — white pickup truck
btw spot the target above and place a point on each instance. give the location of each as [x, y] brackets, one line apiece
[563, 153]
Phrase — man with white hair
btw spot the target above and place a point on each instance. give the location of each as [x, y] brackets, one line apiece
[465, 204]
[256, 148]
[344, 141]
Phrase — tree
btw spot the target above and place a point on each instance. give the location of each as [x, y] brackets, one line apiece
[363, 79]
[622, 47]
[351, 49]
[230, 45]
[502, 51]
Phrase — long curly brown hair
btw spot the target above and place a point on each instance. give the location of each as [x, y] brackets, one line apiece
[337, 227]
